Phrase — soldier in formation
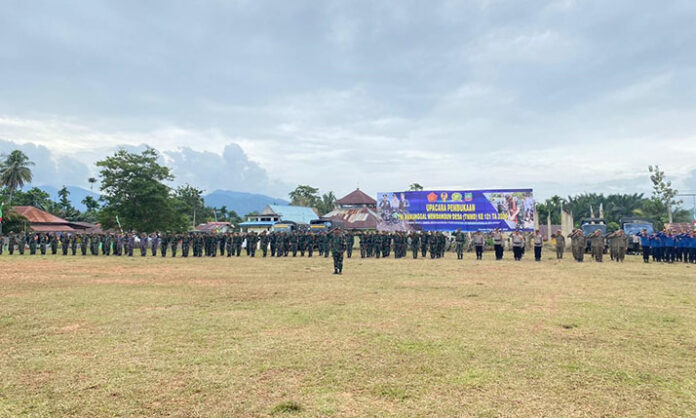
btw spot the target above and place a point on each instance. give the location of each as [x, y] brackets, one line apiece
[560, 245]
[460, 239]
[618, 245]
[597, 244]
[664, 246]
[578, 243]
[337, 244]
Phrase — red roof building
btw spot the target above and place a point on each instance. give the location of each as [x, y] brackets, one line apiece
[356, 199]
[356, 211]
[215, 227]
[42, 221]
[680, 228]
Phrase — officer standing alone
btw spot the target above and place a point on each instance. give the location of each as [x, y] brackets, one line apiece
[338, 247]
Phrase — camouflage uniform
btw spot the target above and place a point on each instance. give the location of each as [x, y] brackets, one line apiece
[621, 246]
[415, 244]
[578, 244]
[11, 244]
[22, 243]
[460, 239]
[597, 246]
[560, 245]
[338, 246]
[185, 245]
[33, 241]
[164, 243]
[350, 242]
[54, 245]
[264, 239]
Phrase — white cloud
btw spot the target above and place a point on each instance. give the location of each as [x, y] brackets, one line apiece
[564, 94]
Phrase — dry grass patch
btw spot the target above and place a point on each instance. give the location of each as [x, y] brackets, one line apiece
[96, 336]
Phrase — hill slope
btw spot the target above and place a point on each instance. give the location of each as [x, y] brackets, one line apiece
[240, 202]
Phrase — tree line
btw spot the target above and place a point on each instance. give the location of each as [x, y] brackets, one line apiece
[135, 195]
[659, 208]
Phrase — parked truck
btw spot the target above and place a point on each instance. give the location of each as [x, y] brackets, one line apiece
[589, 226]
[633, 226]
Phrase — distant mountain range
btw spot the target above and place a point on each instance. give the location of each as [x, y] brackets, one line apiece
[240, 202]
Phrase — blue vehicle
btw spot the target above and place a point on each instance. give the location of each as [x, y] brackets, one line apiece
[632, 227]
[589, 226]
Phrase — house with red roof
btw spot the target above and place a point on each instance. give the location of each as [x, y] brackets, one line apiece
[42, 221]
[356, 211]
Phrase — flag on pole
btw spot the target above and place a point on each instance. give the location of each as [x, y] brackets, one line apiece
[119, 224]
[1, 205]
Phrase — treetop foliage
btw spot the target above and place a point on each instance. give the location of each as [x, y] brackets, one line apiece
[134, 187]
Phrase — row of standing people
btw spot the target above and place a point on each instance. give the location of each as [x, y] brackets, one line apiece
[662, 246]
[211, 244]
[668, 246]
[617, 244]
[278, 244]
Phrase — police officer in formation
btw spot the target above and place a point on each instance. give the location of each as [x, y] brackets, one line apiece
[538, 241]
[518, 243]
[498, 242]
[478, 241]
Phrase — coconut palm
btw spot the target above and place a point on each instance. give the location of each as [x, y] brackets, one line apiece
[15, 171]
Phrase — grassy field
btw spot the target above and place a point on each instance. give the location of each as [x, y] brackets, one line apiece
[85, 336]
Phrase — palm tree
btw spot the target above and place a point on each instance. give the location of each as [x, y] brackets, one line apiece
[15, 171]
[326, 203]
[91, 182]
[90, 203]
[619, 206]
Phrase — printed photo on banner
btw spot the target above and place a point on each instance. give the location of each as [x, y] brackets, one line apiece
[449, 210]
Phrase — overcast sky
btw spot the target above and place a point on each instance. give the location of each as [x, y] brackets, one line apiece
[564, 96]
